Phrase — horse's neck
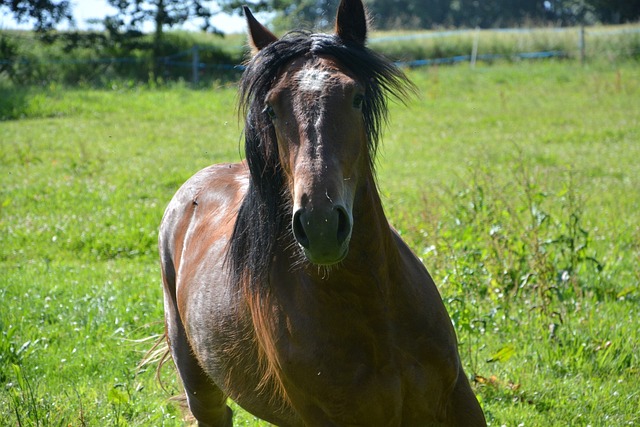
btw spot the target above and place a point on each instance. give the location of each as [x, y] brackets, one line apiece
[372, 236]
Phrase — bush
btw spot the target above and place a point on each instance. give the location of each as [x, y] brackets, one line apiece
[98, 59]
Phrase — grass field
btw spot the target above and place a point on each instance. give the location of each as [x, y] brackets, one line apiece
[517, 184]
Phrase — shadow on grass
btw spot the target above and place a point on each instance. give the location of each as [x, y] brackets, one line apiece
[14, 103]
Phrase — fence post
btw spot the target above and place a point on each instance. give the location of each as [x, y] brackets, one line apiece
[581, 44]
[195, 65]
[474, 49]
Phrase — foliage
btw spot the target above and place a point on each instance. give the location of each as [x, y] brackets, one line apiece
[422, 14]
[515, 183]
[612, 43]
[101, 60]
[308, 14]
[162, 13]
[46, 13]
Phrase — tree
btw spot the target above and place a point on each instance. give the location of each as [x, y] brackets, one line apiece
[162, 13]
[616, 11]
[45, 13]
[311, 14]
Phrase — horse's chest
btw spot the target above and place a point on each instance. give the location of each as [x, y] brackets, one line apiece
[360, 376]
[347, 376]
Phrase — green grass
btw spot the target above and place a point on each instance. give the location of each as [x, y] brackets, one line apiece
[515, 183]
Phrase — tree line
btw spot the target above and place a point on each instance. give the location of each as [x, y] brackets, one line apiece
[433, 14]
[501, 13]
[387, 14]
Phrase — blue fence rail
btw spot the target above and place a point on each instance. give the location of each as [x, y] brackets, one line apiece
[482, 57]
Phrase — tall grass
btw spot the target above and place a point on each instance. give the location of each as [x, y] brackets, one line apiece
[609, 43]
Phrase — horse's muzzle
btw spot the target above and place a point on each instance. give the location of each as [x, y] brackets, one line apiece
[323, 234]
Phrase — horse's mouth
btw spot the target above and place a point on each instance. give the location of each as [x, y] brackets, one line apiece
[326, 258]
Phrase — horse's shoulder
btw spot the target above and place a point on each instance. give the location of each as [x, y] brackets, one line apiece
[213, 183]
[213, 192]
[420, 297]
[214, 178]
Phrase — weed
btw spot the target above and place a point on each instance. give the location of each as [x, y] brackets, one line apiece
[509, 242]
[30, 406]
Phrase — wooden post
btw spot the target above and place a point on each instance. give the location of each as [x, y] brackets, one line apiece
[474, 49]
[195, 65]
[581, 44]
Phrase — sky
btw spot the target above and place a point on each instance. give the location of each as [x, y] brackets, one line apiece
[87, 9]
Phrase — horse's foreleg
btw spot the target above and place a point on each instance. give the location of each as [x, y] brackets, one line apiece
[206, 401]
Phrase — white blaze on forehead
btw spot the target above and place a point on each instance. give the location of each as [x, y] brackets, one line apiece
[312, 80]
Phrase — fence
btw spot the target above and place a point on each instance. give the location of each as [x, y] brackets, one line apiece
[195, 64]
[574, 45]
[579, 33]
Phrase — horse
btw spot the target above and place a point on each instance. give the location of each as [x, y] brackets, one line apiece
[285, 287]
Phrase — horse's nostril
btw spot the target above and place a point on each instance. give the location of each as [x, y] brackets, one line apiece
[298, 229]
[344, 225]
[323, 233]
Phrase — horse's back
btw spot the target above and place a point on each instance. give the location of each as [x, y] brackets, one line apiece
[194, 235]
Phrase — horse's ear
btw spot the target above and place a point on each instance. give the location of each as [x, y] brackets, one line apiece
[351, 22]
[259, 36]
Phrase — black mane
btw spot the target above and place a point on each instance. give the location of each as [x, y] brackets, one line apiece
[264, 215]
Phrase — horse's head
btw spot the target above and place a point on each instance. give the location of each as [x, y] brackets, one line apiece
[316, 110]
[320, 107]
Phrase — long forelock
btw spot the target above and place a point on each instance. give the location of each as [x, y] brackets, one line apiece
[381, 79]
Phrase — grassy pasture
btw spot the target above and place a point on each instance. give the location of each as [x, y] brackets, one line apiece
[517, 184]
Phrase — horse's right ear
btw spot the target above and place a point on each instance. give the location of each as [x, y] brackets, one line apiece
[351, 22]
[259, 36]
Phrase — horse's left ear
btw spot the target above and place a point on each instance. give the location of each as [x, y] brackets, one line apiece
[351, 22]
[259, 36]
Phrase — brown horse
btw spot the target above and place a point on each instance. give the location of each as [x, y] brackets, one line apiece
[285, 288]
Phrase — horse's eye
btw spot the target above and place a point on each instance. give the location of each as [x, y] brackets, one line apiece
[268, 110]
[358, 100]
